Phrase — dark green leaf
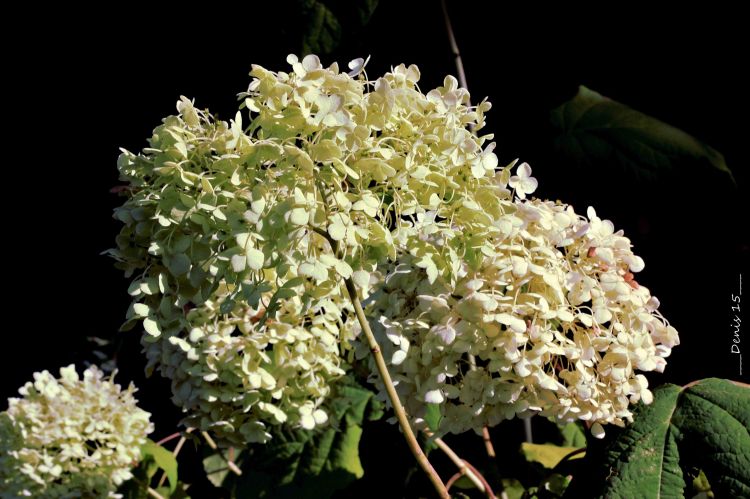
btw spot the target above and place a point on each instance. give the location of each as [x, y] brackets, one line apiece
[227, 306]
[179, 264]
[703, 425]
[595, 132]
[328, 23]
[297, 463]
[464, 483]
[323, 29]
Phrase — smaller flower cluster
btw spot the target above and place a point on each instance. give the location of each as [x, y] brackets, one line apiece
[70, 436]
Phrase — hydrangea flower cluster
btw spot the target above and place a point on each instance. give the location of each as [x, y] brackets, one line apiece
[549, 320]
[240, 294]
[70, 436]
[240, 299]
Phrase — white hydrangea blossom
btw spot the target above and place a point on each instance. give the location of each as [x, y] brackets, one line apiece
[240, 294]
[550, 311]
[70, 436]
[241, 301]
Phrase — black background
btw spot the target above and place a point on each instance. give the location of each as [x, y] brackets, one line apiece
[85, 82]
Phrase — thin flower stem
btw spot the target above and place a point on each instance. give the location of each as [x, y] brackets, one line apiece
[529, 435]
[398, 408]
[490, 493]
[454, 46]
[488, 442]
[169, 438]
[453, 479]
[175, 452]
[403, 418]
[464, 467]
[154, 493]
[210, 441]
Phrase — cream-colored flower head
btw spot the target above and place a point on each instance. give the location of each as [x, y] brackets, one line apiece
[241, 297]
[549, 313]
[241, 300]
[70, 436]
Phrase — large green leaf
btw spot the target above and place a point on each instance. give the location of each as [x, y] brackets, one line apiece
[597, 132]
[702, 425]
[298, 463]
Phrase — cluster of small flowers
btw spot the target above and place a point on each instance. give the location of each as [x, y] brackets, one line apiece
[70, 437]
[240, 299]
[240, 294]
[548, 320]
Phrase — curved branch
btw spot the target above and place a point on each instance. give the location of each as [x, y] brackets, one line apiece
[230, 464]
[398, 408]
[464, 467]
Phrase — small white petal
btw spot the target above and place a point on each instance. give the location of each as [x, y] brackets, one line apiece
[398, 357]
[434, 397]
[597, 431]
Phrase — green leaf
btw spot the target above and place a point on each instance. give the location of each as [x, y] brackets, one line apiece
[432, 416]
[326, 24]
[548, 455]
[298, 463]
[513, 488]
[179, 264]
[323, 29]
[464, 483]
[164, 460]
[596, 131]
[702, 425]
[700, 484]
[573, 435]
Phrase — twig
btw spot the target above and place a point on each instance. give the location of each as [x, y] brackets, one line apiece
[464, 467]
[154, 493]
[398, 408]
[210, 441]
[527, 430]
[177, 449]
[453, 479]
[169, 438]
[403, 418]
[454, 46]
[488, 442]
[490, 493]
